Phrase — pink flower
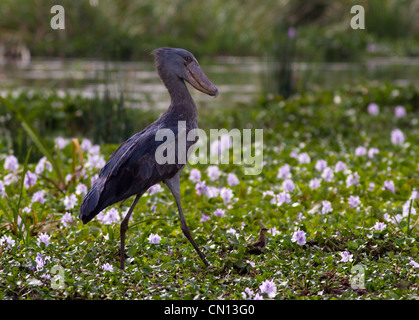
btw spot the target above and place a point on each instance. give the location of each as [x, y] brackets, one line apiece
[340, 166]
[327, 174]
[346, 256]
[39, 262]
[213, 173]
[247, 293]
[232, 180]
[379, 226]
[107, 267]
[70, 201]
[314, 183]
[30, 179]
[397, 136]
[291, 32]
[95, 161]
[372, 152]
[360, 151]
[211, 192]
[257, 297]
[7, 240]
[288, 185]
[407, 208]
[2, 189]
[67, 219]
[413, 263]
[38, 197]
[326, 207]
[42, 165]
[11, 163]
[271, 194]
[303, 158]
[284, 172]
[400, 112]
[226, 194]
[218, 146]
[273, 231]
[81, 189]
[299, 237]
[373, 109]
[95, 149]
[195, 175]
[389, 185]
[283, 197]
[231, 231]
[111, 216]
[321, 165]
[200, 188]
[86, 145]
[352, 180]
[93, 178]
[393, 219]
[269, 288]
[61, 142]
[154, 189]
[43, 238]
[154, 238]
[354, 201]
[219, 212]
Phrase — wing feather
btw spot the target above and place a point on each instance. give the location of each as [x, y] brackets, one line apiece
[131, 170]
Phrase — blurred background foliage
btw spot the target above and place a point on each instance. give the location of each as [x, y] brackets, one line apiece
[129, 29]
[280, 32]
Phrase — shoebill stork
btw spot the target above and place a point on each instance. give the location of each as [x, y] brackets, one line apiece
[133, 167]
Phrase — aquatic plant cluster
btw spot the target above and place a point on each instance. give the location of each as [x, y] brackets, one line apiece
[338, 192]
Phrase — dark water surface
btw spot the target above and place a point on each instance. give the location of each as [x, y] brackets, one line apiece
[238, 79]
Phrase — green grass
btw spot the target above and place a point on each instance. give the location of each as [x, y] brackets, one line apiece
[131, 29]
[320, 124]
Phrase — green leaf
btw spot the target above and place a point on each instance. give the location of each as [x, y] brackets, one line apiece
[146, 269]
[40, 143]
[22, 182]
[89, 257]
[37, 139]
[132, 251]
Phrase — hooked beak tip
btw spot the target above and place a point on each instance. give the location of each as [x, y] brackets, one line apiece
[199, 81]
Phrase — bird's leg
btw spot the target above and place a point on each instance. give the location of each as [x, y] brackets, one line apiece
[124, 228]
[174, 186]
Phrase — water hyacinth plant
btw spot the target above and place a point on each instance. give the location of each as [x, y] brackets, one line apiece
[328, 206]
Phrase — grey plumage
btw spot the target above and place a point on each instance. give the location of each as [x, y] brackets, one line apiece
[133, 168]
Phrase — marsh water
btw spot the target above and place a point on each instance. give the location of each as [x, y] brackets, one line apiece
[238, 79]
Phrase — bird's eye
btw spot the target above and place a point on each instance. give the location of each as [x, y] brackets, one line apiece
[188, 59]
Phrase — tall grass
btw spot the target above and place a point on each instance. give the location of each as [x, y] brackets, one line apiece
[122, 30]
[281, 78]
[392, 18]
[32, 115]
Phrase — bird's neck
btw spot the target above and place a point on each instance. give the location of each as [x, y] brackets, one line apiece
[182, 103]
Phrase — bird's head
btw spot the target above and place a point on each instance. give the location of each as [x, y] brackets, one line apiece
[183, 64]
[263, 230]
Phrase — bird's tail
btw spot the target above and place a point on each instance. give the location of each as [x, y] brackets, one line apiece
[90, 206]
[99, 197]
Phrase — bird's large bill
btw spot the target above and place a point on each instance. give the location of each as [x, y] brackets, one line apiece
[197, 78]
